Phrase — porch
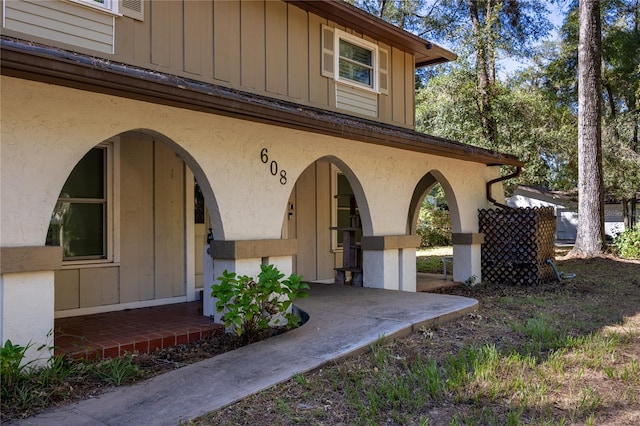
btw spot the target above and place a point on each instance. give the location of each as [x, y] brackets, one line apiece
[113, 334]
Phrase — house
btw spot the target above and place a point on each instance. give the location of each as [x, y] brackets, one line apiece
[565, 205]
[129, 128]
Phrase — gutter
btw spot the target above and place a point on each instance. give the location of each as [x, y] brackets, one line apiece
[501, 179]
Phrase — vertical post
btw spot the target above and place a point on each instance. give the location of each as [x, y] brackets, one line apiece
[466, 256]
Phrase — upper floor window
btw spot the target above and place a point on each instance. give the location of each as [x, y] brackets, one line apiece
[358, 62]
[108, 5]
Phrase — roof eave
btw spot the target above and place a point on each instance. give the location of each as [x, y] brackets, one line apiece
[31, 61]
[342, 13]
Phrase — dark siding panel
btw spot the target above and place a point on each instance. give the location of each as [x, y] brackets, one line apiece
[253, 45]
[298, 55]
[226, 39]
[397, 86]
[276, 55]
[169, 222]
[161, 33]
[136, 219]
[318, 85]
[409, 92]
[198, 38]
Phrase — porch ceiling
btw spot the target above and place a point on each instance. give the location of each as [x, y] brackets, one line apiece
[36, 62]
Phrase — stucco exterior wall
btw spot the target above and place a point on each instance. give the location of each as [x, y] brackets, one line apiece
[30, 325]
[49, 129]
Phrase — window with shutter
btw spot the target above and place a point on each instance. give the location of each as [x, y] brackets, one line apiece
[358, 67]
[352, 60]
[107, 5]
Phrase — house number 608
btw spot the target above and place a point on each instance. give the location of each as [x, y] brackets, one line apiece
[273, 166]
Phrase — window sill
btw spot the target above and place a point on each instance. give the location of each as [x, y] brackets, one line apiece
[99, 9]
[86, 264]
[354, 85]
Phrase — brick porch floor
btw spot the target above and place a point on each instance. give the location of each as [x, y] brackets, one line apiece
[144, 330]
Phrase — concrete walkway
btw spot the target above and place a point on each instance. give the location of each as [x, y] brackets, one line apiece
[343, 320]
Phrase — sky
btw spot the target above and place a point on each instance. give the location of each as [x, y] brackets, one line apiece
[557, 12]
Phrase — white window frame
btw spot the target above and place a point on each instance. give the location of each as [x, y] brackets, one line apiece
[109, 6]
[341, 35]
[112, 234]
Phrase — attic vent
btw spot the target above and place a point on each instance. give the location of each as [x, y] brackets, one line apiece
[133, 9]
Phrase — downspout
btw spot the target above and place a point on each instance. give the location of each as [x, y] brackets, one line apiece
[500, 179]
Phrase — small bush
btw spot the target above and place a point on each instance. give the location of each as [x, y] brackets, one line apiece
[117, 371]
[25, 388]
[432, 265]
[12, 369]
[434, 224]
[251, 306]
[627, 244]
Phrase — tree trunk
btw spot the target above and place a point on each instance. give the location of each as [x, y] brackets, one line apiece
[625, 211]
[590, 236]
[482, 67]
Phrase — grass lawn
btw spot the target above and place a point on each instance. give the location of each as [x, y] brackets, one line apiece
[430, 260]
[559, 353]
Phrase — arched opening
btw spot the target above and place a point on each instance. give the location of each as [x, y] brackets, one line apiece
[433, 216]
[132, 219]
[327, 213]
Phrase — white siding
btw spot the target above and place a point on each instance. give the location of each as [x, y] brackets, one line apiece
[61, 21]
[356, 100]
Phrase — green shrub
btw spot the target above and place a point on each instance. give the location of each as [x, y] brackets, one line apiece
[23, 387]
[117, 371]
[432, 265]
[251, 306]
[434, 224]
[627, 244]
[12, 369]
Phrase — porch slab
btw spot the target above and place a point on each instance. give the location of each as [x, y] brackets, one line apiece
[144, 330]
[343, 321]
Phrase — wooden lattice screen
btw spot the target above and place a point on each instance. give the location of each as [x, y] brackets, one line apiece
[517, 242]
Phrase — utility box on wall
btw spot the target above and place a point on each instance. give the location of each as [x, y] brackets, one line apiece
[517, 243]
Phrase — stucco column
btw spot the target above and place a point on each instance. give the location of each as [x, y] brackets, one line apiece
[27, 299]
[244, 257]
[389, 262]
[466, 257]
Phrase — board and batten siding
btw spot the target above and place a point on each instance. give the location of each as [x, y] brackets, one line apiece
[152, 239]
[310, 222]
[265, 47]
[61, 21]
